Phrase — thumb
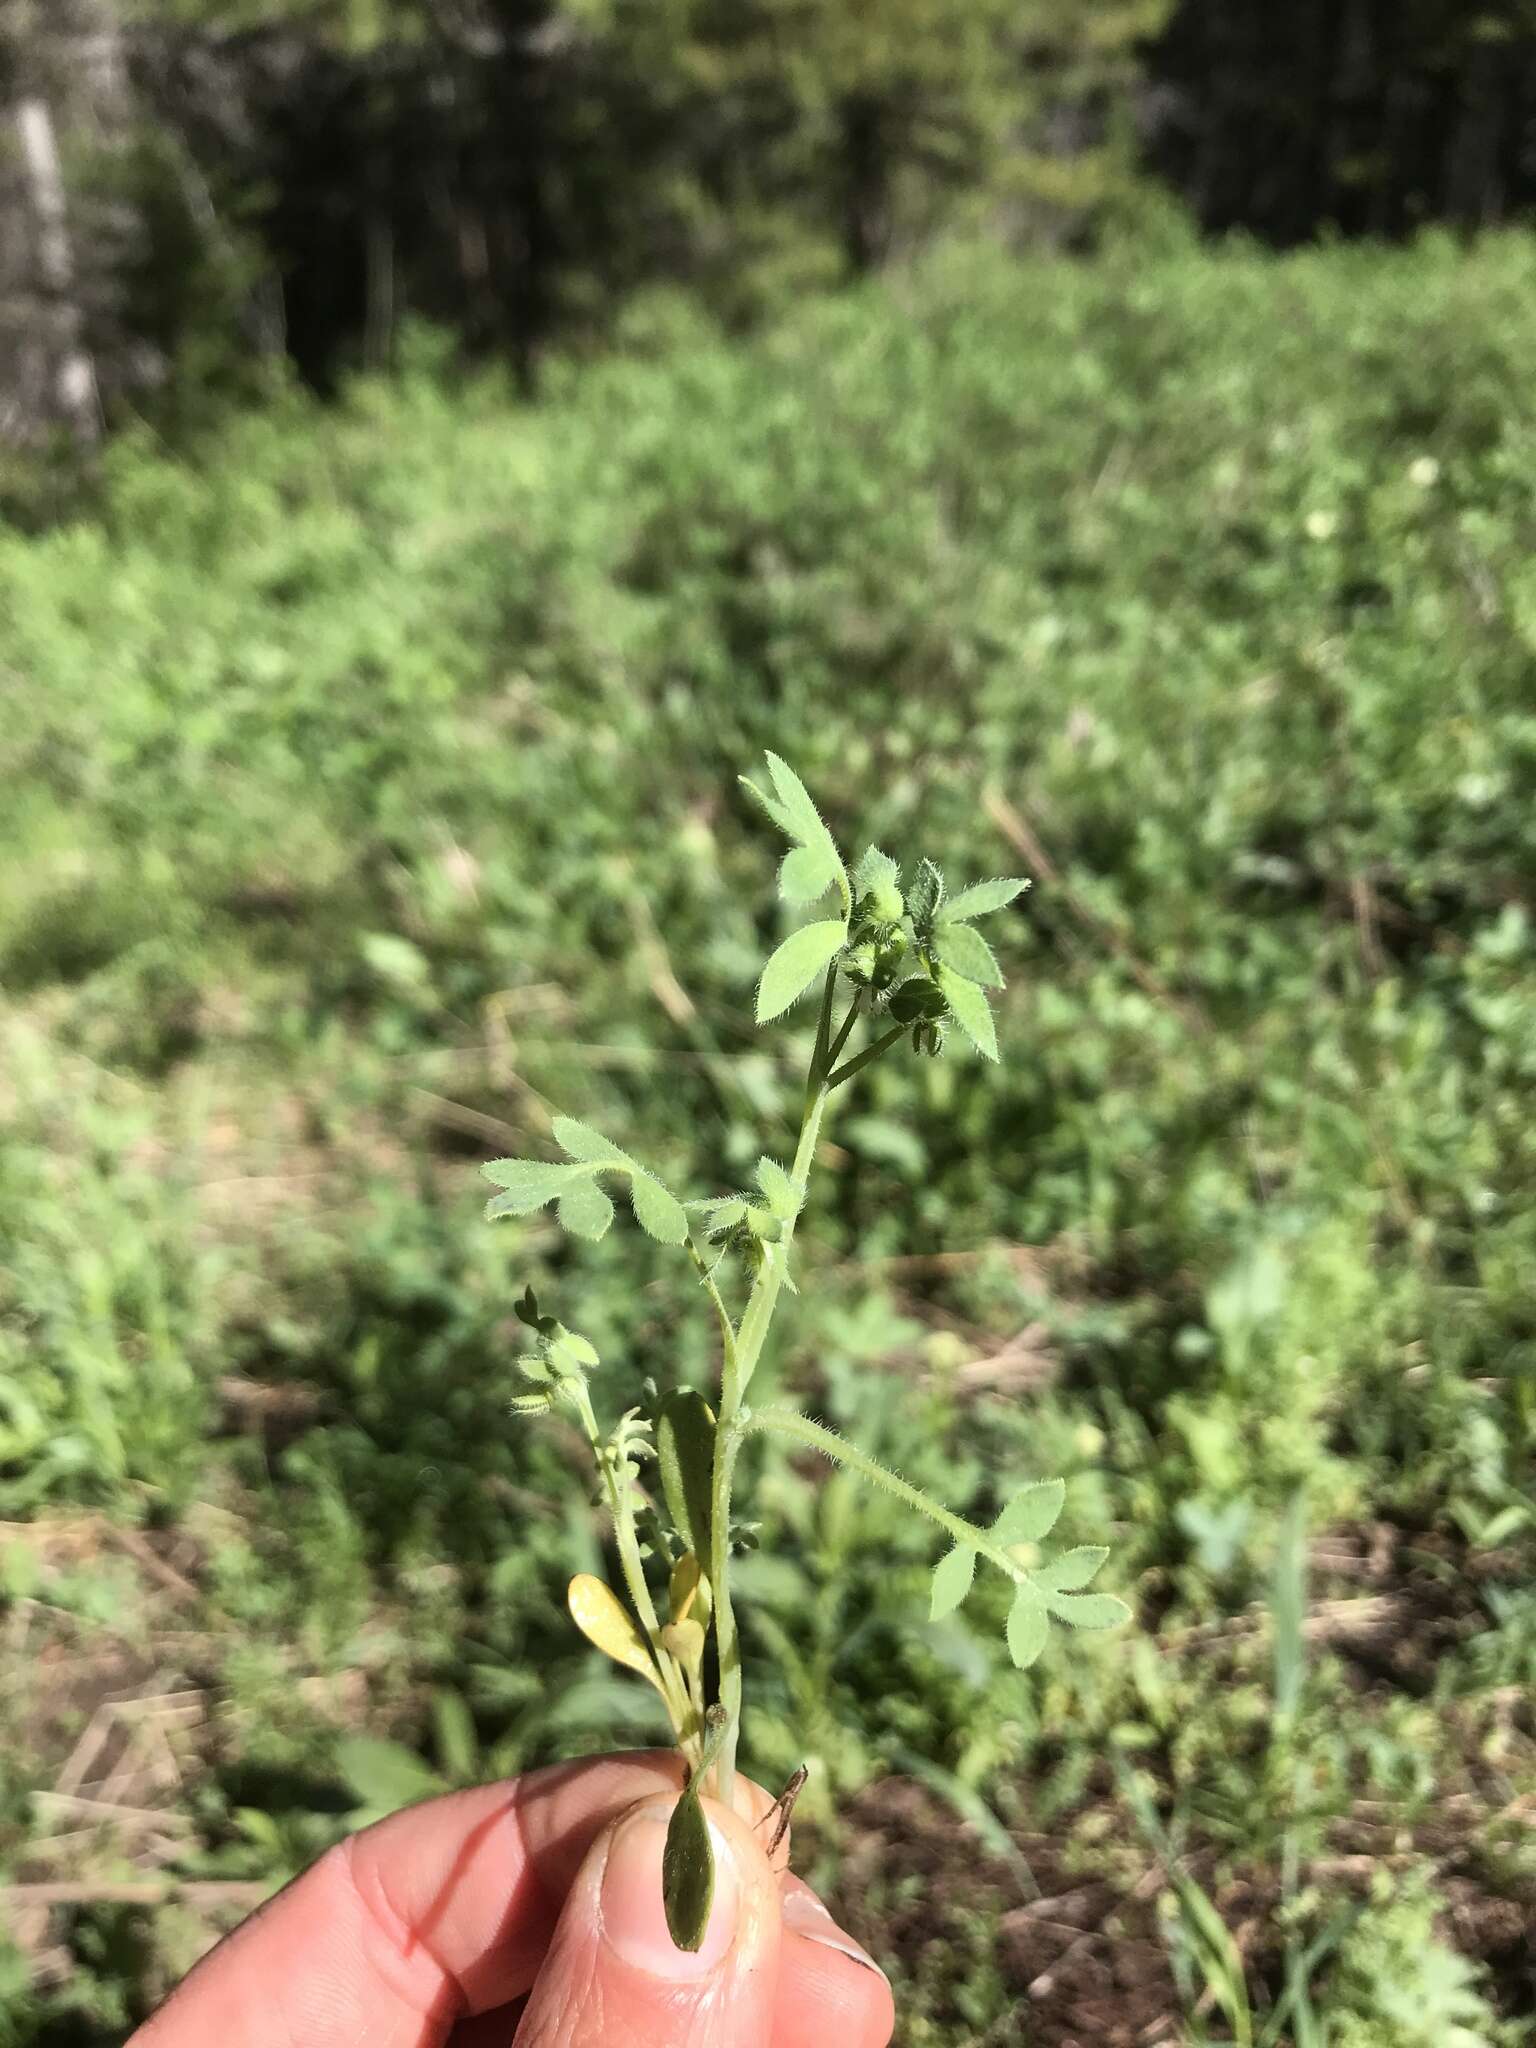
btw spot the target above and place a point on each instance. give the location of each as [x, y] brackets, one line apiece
[612, 1977]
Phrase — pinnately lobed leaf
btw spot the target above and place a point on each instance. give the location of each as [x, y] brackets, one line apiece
[970, 1010]
[952, 1578]
[1031, 1514]
[796, 963]
[982, 897]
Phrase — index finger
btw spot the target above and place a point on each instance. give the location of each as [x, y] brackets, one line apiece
[440, 1911]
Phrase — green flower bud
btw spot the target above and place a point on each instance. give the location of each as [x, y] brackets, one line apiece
[915, 1001]
[764, 1224]
[884, 904]
[860, 963]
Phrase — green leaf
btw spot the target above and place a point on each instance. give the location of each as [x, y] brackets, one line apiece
[384, 1775]
[528, 1184]
[517, 1174]
[587, 1145]
[796, 964]
[656, 1211]
[1027, 1627]
[970, 1010]
[1072, 1569]
[1032, 1514]
[798, 805]
[775, 810]
[720, 1215]
[1090, 1610]
[925, 895]
[685, 1455]
[982, 897]
[608, 1625]
[964, 949]
[807, 872]
[783, 1195]
[952, 1577]
[688, 1871]
[585, 1211]
[458, 1745]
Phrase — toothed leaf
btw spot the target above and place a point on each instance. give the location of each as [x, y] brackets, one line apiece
[796, 964]
[1032, 1514]
[970, 1010]
[952, 1577]
[982, 897]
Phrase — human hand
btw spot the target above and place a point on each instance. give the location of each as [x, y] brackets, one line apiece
[532, 1910]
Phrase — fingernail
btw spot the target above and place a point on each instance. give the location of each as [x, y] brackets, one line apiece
[805, 1915]
[634, 1918]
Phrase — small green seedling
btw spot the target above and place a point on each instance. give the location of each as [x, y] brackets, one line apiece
[898, 959]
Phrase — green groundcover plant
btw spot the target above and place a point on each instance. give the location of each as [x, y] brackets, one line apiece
[899, 962]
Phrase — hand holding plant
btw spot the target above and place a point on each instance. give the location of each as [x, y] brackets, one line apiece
[899, 964]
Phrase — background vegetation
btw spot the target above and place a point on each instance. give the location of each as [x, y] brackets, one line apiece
[193, 191]
[370, 790]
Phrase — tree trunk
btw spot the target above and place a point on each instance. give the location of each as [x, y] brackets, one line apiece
[73, 375]
[866, 184]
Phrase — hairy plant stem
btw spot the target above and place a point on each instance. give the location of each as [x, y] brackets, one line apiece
[738, 1366]
[673, 1686]
[851, 1067]
[800, 1429]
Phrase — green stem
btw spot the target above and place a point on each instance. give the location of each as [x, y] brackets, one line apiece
[740, 1362]
[673, 1690]
[800, 1429]
[849, 1068]
[843, 1030]
[727, 1641]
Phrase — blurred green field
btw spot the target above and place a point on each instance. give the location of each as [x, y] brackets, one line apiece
[370, 794]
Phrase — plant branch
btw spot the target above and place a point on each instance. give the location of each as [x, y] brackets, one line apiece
[800, 1429]
[843, 1030]
[849, 1068]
